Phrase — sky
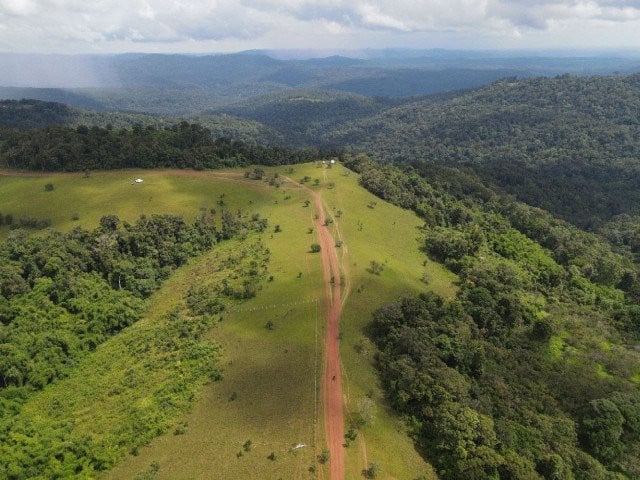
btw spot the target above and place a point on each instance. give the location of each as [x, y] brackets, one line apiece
[205, 26]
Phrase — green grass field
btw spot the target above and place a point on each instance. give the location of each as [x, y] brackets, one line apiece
[269, 391]
[88, 199]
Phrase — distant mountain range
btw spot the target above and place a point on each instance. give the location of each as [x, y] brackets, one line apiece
[190, 84]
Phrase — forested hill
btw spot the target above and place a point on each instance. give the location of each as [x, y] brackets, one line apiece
[33, 113]
[568, 144]
[531, 371]
[301, 117]
[183, 145]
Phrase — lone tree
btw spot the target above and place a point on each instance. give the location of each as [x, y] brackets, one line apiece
[350, 436]
[315, 248]
[48, 187]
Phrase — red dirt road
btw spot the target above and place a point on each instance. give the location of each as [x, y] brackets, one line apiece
[332, 382]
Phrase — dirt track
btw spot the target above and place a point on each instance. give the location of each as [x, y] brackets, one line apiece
[332, 381]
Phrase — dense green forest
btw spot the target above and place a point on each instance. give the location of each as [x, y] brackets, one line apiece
[300, 116]
[567, 144]
[33, 113]
[183, 145]
[531, 371]
[29, 113]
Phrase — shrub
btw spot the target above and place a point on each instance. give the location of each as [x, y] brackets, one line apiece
[375, 268]
[372, 471]
[324, 456]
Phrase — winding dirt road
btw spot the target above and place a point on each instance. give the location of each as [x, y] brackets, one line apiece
[332, 381]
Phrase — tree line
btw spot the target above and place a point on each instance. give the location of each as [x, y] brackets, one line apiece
[183, 145]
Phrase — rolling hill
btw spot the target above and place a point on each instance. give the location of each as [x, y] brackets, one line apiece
[567, 144]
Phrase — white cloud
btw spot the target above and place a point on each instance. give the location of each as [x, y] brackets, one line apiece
[199, 25]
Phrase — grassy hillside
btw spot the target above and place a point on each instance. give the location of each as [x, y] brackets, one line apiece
[374, 230]
[87, 199]
[546, 369]
[366, 291]
[267, 393]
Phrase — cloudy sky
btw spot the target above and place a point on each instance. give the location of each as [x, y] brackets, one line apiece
[74, 26]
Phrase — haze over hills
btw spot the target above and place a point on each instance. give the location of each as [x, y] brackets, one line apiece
[189, 84]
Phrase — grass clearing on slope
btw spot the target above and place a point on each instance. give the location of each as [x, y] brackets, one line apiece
[268, 372]
[374, 230]
[268, 393]
[179, 192]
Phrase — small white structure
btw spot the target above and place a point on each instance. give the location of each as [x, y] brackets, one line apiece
[333, 161]
[138, 180]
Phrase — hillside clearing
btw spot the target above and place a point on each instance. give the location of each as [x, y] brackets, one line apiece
[268, 394]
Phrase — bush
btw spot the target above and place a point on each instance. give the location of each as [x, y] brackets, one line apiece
[350, 436]
[48, 187]
[600, 430]
[372, 471]
[181, 429]
[315, 248]
[375, 268]
[542, 330]
[324, 456]
[28, 222]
